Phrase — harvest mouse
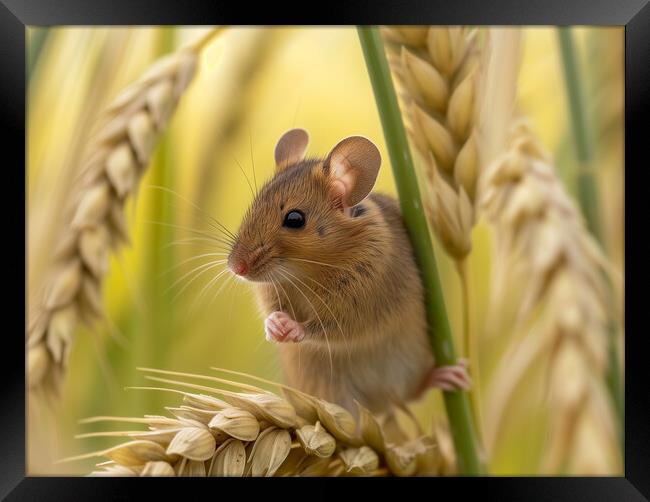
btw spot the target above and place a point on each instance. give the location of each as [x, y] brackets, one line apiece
[335, 276]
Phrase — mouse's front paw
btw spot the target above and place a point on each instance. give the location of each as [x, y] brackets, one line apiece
[280, 327]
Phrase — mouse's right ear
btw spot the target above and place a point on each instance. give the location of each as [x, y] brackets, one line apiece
[353, 166]
[291, 148]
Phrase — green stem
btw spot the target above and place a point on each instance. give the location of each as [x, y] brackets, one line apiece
[587, 191]
[35, 46]
[163, 260]
[154, 331]
[588, 194]
[456, 403]
[471, 350]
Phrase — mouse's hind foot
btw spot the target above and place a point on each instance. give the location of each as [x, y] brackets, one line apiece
[447, 378]
[280, 327]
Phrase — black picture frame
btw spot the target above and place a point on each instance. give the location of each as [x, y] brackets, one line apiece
[16, 15]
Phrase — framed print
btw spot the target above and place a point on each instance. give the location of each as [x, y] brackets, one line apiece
[390, 243]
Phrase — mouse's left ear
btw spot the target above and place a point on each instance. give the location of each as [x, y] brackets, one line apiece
[353, 165]
[291, 148]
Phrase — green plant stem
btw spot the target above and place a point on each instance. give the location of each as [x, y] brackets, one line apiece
[471, 350]
[153, 332]
[163, 260]
[35, 46]
[587, 190]
[456, 403]
[588, 194]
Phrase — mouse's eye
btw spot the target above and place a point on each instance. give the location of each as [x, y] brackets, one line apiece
[294, 219]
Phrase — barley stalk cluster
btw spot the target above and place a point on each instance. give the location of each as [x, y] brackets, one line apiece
[255, 432]
[116, 160]
[438, 69]
[541, 239]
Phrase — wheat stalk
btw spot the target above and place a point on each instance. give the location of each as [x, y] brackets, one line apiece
[251, 431]
[542, 240]
[118, 156]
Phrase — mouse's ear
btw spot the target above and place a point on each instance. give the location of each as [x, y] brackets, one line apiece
[291, 148]
[353, 164]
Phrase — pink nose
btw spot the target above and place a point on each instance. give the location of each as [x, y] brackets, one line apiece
[239, 267]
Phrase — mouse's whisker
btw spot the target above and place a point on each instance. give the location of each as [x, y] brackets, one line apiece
[329, 348]
[202, 211]
[248, 181]
[217, 238]
[333, 293]
[338, 324]
[201, 269]
[197, 301]
[319, 263]
[199, 231]
[295, 114]
[287, 297]
[191, 258]
[343, 337]
[194, 240]
[201, 218]
[315, 294]
[210, 230]
[277, 294]
[196, 304]
[232, 288]
[250, 144]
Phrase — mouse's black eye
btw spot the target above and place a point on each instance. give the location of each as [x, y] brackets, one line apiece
[294, 219]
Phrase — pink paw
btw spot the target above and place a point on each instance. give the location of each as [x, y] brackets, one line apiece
[450, 378]
[280, 327]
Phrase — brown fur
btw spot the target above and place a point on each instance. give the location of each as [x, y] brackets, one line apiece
[363, 311]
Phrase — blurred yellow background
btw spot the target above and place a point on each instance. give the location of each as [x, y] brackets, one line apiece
[253, 84]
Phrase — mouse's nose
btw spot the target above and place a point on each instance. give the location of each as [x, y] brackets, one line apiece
[239, 266]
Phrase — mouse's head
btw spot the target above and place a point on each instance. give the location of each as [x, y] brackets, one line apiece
[302, 219]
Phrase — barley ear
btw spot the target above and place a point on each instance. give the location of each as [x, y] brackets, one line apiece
[207, 437]
[562, 313]
[437, 69]
[117, 157]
